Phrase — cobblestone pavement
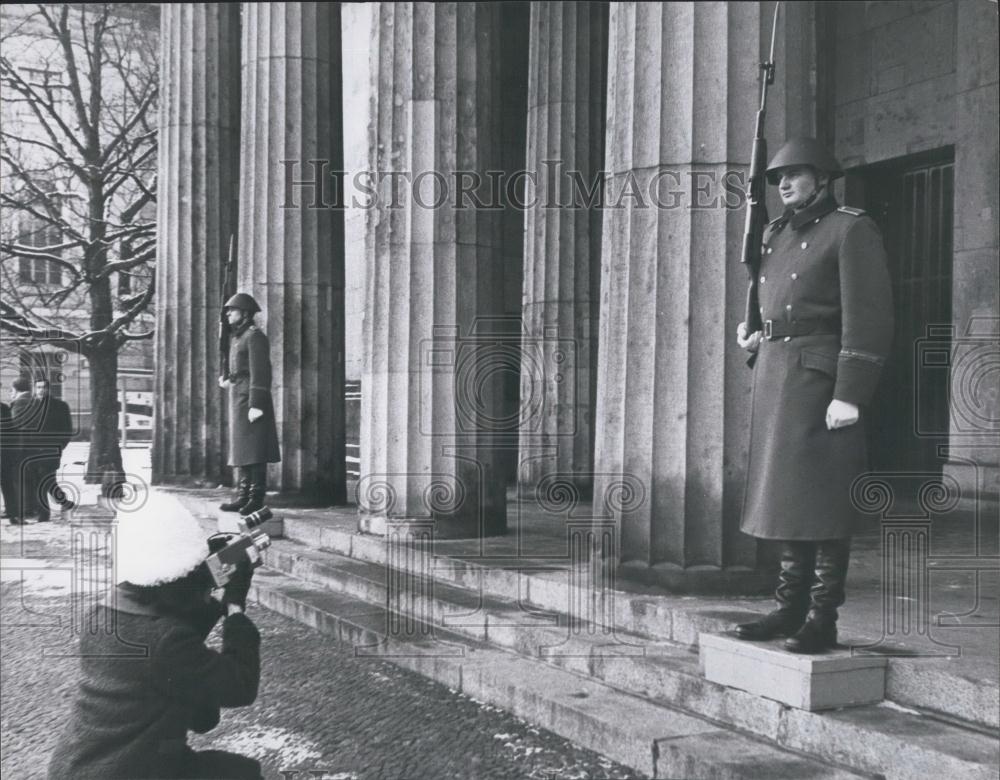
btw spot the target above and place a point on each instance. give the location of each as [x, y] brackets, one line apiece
[320, 707]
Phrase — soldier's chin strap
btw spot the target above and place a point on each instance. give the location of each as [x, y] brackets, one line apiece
[821, 190]
[811, 199]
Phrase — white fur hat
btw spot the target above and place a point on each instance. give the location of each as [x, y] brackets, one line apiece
[158, 542]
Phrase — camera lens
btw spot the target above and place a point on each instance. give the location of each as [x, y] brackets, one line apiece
[258, 517]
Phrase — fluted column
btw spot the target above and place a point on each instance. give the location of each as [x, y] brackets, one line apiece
[562, 240]
[198, 173]
[431, 399]
[672, 404]
[974, 409]
[291, 251]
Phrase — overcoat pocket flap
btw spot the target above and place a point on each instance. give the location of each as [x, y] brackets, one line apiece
[820, 361]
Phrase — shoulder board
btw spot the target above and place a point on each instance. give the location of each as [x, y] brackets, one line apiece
[852, 211]
[775, 221]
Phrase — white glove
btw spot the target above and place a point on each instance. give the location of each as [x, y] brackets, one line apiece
[255, 414]
[749, 342]
[224, 383]
[840, 414]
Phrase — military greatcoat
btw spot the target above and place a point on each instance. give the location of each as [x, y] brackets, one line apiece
[823, 269]
[250, 372]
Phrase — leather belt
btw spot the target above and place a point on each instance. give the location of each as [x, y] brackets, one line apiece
[776, 329]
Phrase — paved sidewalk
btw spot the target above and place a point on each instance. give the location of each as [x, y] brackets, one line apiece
[320, 708]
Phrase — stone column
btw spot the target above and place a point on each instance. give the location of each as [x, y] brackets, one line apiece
[975, 402]
[672, 387]
[199, 128]
[562, 245]
[431, 399]
[291, 256]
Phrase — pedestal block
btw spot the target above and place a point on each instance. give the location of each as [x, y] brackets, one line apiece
[807, 682]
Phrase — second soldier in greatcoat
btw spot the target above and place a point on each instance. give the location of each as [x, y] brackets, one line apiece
[253, 433]
[826, 304]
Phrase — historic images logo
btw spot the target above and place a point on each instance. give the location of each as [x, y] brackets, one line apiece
[314, 184]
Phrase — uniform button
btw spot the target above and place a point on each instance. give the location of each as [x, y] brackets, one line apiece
[770, 249]
[794, 277]
[788, 338]
[817, 219]
[805, 244]
[762, 279]
[788, 307]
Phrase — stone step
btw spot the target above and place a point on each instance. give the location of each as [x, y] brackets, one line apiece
[654, 739]
[908, 683]
[663, 672]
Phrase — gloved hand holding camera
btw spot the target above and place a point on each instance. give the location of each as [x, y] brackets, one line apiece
[238, 585]
[236, 590]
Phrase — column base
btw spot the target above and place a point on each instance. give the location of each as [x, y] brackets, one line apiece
[442, 527]
[702, 580]
[979, 484]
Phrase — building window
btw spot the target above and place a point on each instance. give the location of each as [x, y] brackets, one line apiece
[38, 234]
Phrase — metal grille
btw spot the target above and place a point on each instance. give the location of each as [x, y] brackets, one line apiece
[913, 204]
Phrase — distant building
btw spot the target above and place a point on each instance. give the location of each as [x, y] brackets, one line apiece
[38, 282]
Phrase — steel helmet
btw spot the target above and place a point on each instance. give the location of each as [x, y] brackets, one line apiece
[244, 302]
[803, 151]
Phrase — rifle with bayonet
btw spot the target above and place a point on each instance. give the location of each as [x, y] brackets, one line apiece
[756, 222]
[227, 293]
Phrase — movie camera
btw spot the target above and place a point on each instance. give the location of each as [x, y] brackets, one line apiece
[248, 544]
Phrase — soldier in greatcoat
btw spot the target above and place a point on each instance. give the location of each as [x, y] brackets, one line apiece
[826, 304]
[253, 434]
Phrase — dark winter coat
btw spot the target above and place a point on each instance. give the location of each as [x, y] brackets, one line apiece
[146, 684]
[25, 424]
[41, 426]
[8, 457]
[825, 263]
[250, 372]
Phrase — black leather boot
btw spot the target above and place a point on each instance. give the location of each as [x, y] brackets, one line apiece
[819, 632]
[792, 595]
[241, 497]
[258, 488]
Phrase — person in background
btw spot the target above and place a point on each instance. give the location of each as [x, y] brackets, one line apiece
[18, 452]
[53, 433]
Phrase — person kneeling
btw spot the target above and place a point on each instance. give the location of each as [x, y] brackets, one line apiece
[147, 683]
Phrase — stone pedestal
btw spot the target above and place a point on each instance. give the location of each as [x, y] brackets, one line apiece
[562, 241]
[672, 385]
[291, 245]
[808, 682]
[431, 402]
[198, 184]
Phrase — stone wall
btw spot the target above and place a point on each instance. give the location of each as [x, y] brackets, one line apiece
[894, 79]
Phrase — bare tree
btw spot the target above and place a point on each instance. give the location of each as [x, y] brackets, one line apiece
[79, 157]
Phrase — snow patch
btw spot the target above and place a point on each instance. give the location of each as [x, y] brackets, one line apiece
[288, 748]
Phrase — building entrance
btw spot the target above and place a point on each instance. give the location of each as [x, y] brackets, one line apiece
[912, 200]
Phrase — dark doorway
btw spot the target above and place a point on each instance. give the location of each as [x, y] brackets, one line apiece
[912, 200]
